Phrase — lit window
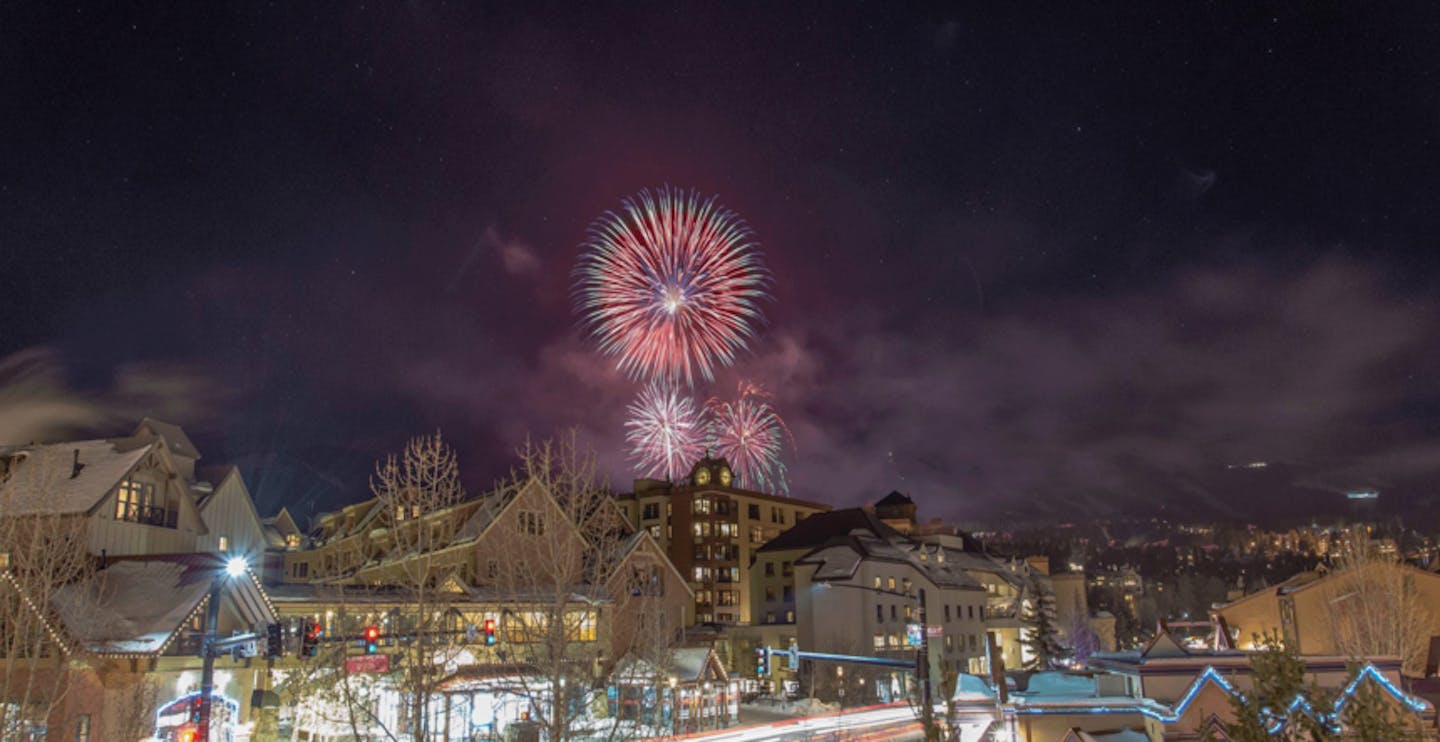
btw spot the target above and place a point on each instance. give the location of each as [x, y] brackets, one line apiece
[789, 616]
[879, 641]
[292, 541]
[224, 543]
[580, 626]
[135, 502]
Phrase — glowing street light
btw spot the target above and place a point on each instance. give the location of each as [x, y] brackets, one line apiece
[236, 566]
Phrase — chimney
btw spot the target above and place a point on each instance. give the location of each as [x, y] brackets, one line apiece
[75, 465]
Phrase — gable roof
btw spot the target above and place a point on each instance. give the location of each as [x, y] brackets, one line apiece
[820, 528]
[1164, 645]
[642, 541]
[63, 478]
[138, 606]
[685, 665]
[894, 498]
[173, 435]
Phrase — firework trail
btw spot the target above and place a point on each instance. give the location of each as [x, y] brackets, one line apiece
[671, 287]
[751, 436]
[666, 431]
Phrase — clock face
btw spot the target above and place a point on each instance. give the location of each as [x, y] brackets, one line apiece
[702, 476]
[725, 476]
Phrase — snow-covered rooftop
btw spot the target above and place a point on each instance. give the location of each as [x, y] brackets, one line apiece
[67, 477]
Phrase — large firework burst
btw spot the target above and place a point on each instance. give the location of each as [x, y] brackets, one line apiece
[751, 436]
[666, 431]
[672, 287]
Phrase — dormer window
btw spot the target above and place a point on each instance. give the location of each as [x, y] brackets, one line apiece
[292, 541]
[136, 502]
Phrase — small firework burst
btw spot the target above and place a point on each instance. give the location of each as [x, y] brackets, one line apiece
[751, 436]
[666, 431]
[670, 288]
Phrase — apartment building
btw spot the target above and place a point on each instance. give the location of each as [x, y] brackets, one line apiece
[712, 529]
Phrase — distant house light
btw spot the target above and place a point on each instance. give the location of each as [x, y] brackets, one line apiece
[1362, 495]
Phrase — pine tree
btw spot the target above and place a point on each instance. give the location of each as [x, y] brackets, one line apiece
[1277, 676]
[1372, 716]
[1040, 641]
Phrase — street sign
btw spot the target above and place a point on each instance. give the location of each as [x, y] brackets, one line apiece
[934, 632]
[367, 663]
[913, 636]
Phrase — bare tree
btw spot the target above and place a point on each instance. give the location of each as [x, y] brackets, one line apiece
[136, 707]
[564, 568]
[1375, 607]
[46, 557]
[414, 491]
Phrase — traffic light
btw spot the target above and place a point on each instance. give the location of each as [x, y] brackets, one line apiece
[489, 632]
[274, 641]
[310, 640]
[762, 662]
[372, 639]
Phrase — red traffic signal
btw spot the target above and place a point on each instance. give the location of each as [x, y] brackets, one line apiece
[310, 641]
[372, 639]
[489, 632]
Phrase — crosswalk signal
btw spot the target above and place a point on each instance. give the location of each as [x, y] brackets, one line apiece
[762, 662]
[372, 639]
[274, 641]
[489, 632]
[310, 640]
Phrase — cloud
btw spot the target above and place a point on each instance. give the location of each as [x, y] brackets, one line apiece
[517, 257]
[1119, 401]
[37, 402]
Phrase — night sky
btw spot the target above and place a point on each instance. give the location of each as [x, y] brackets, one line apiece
[1053, 262]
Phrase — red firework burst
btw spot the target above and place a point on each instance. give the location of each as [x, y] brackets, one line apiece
[751, 436]
[671, 287]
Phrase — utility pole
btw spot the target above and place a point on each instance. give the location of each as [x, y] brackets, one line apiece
[207, 650]
[922, 673]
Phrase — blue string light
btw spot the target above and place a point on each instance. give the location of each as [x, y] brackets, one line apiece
[1275, 723]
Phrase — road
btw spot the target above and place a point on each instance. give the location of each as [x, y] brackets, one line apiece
[894, 722]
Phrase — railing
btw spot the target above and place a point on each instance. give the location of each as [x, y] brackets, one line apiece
[149, 515]
[993, 612]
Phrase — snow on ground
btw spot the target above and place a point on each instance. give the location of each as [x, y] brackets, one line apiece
[797, 707]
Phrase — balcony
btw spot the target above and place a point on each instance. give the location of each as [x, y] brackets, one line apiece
[148, 515]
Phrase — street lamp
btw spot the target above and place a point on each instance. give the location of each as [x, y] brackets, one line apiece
[234, 568]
